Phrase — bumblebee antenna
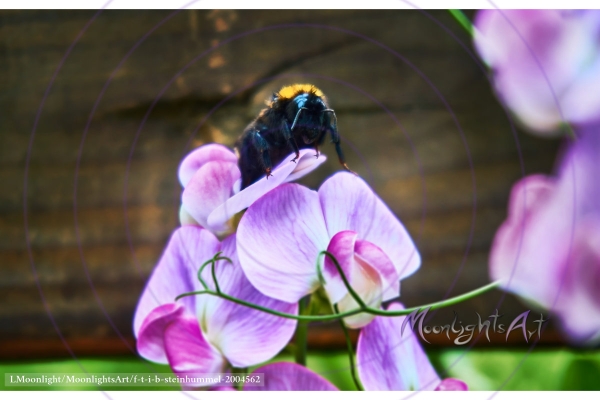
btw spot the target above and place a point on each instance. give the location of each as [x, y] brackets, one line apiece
[297, 115]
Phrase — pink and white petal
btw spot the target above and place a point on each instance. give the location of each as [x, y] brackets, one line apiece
[150, 338]
[306, 163]
[200, 156]
[243, 335]
[452, 385]
[369, 254]
[185, 218]
[390, 360]
[286, 171]
[188, 352]
[208, 189]
[366, 282]
[341, 247]
[529, 243]
[278, 241]
[176, 272]
[368, 270]
[289, 376]
[348, 203]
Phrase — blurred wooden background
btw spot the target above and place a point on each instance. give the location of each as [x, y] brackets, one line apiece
[100, 208]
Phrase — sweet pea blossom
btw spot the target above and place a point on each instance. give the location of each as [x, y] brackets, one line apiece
[546, 63]
[203, 333]
[388, 358]
[211, 180]
[548, 249]
[281, 236]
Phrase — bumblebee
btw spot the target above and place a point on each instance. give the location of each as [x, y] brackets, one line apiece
[297, 117]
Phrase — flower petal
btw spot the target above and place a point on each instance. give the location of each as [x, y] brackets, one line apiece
[552, 238]
[579, 303]
[150, 341]
[369, 254]
[390, 360]
[527, 243]
[188, 351]
[368, 271]
[341, 247]
[306, 163]
[279, 239]
[546, 63]
[200, 156]
[290, 376]
[245, 336]
[188, 249]
[185, 218]
[452, 384]
[286, 171]
[209, 188]
[349, 204]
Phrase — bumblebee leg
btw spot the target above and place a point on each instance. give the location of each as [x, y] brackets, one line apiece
[335, 138]
[317, 150]
[287, 134]
[262, 147]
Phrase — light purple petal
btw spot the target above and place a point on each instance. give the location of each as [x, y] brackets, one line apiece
[548, 250]
[188, 351]
[245, 336]
[579, 302]
[200, 156]
[349, 204]
[286, 171]
[525, 247]
[150, 341]
[188, 249]
[306, 163]
[543, 60]
[279, 238]
[452, 385]
[208, 189]
[289, 376]
[389, 360]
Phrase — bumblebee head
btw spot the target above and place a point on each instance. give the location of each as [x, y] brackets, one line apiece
[306, 110]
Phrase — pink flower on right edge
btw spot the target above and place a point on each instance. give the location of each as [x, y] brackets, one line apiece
[546, 63]
[548, 249]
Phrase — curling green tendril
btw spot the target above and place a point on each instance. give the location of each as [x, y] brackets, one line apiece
[331, 317]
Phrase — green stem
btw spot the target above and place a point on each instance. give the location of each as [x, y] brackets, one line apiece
[463, 21]
[200, 273]
[214, 276]
[350, 352]
[332, 317]
[302, 333]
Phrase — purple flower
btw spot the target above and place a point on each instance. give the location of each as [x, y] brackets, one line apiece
[211, 180]
[203, 333]
[548, 249]
[289, 376]
[388, 359]
[543, 60]
[281, 235]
